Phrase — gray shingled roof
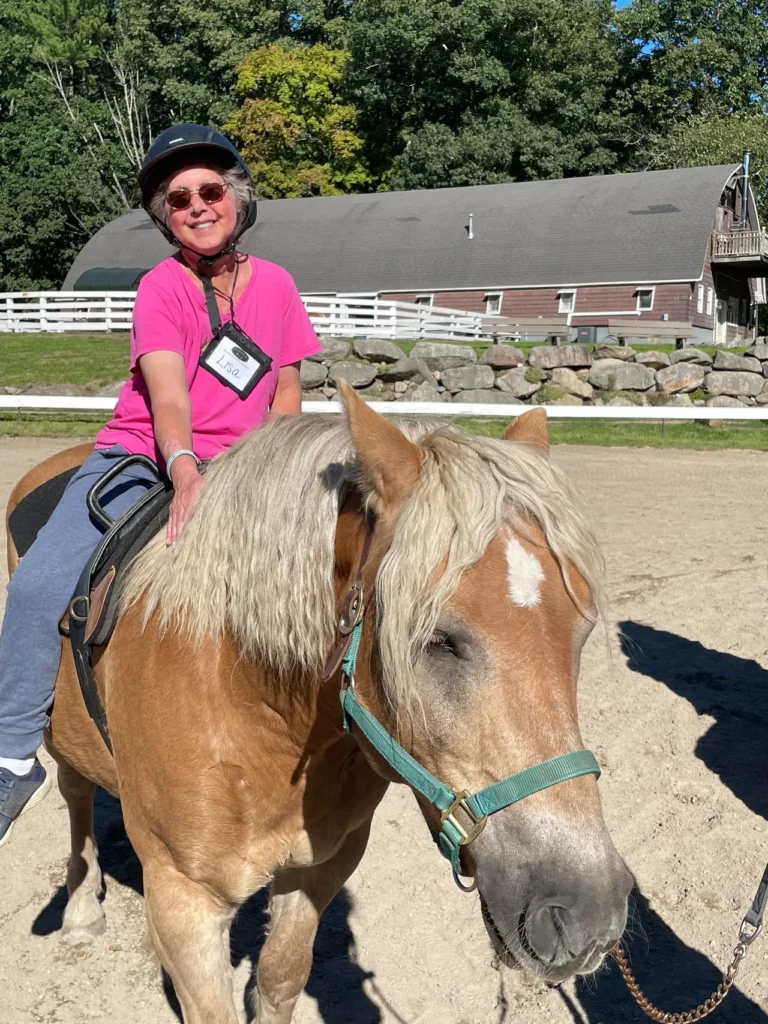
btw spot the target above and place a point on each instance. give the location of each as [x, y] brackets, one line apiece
[651, 226]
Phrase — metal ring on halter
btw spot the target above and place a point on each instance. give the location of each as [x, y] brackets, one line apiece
[464, 888]
[352, 609]
[349, 680]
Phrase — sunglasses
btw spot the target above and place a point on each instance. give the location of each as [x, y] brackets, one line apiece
[181, 198]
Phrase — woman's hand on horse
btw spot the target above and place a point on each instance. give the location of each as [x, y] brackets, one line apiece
[187, 483]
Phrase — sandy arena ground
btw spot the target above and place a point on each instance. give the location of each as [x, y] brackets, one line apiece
[681, 732]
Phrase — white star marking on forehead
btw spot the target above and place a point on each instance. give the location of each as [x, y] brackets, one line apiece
[524, 575]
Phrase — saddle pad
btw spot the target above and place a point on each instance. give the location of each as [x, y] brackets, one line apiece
[35, 509]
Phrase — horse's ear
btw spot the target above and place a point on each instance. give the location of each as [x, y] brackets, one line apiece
[390, 463]
[530, 428]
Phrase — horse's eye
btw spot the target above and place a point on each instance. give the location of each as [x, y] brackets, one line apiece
[442, 643]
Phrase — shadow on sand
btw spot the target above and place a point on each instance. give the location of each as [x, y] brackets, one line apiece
[336, 981]
[673, 976]
[733, 691]
[730, 689]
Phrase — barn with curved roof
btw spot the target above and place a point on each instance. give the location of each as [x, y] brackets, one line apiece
[652, 245]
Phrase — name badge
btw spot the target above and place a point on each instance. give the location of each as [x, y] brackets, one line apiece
[235, 360]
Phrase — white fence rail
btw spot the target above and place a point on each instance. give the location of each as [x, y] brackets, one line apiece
[344, 316]
[443, 409]
[66, 311]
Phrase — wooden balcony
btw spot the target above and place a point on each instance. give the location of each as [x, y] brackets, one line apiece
[744, 253]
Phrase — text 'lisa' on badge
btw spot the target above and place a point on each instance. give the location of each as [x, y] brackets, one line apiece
[236, 360]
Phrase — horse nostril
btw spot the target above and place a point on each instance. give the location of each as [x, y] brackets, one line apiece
[543, 933]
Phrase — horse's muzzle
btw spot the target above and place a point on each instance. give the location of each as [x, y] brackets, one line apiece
[557, 916]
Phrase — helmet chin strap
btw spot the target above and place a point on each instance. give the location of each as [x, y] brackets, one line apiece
[210, 260]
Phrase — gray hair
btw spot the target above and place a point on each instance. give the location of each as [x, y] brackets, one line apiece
[234, 178]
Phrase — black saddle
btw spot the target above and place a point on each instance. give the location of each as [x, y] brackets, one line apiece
[92, 613]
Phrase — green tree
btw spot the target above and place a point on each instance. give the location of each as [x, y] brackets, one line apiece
[191, 51]
[52, 194]
[295, 129]
[711, 138]
[68, 36]
[86, 84]
[472, 91]
[693, 59]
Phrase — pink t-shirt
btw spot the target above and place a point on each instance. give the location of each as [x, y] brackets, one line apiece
[170, 315]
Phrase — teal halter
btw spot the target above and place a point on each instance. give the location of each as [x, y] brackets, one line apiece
[473, 808]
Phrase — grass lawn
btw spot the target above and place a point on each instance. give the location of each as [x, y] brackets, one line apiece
[611, 433]
[55, 424]
[642, 434]
[85, 360]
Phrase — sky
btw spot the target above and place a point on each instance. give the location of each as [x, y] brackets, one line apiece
[623, 3]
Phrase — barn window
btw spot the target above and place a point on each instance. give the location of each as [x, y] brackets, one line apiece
[567, 302]
[710, 300]
[645, 299]
[733, 310]
[424, 300]
[700, 299]
[493, 303]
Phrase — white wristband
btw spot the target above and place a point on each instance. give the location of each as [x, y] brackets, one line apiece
[176, 454]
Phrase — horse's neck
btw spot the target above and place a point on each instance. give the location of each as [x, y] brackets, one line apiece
[305, 711]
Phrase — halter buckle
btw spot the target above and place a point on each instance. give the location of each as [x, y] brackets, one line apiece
[478, 824]
[352, 609]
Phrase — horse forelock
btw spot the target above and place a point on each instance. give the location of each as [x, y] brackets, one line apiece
[256, 561]
[470, 489]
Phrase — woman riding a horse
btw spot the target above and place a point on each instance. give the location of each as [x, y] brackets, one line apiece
[441, 584]
[185, 402]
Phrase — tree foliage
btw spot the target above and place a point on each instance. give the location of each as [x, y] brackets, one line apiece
[53, 190]
[698, 93]
[695, 56]
[294, 127]
[708, 139]
[328, 96]
[484, 90]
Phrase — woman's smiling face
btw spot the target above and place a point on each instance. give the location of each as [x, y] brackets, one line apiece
[203, 227]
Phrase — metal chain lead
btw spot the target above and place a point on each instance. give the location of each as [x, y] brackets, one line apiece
[689, 1016]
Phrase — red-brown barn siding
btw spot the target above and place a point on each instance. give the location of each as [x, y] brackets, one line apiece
[616, 300]
[678, 301]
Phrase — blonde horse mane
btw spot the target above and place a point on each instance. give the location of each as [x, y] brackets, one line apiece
[256, 561]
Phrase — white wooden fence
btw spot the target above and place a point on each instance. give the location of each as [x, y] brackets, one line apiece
[66, 311]
[343, 316]
[350, 316]
[51, 403]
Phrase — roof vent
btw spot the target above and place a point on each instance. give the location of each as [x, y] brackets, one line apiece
[470, 231]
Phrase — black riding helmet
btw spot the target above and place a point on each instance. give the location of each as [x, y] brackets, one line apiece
[180, 146]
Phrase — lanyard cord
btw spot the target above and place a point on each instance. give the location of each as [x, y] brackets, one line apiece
[211, 291]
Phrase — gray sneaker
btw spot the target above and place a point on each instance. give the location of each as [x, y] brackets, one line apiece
[19, 794]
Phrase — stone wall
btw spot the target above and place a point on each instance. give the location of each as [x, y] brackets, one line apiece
[549, 375]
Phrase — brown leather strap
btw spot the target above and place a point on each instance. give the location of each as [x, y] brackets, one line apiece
[354, 594]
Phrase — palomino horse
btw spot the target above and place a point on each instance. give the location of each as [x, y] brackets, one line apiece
[230, 758]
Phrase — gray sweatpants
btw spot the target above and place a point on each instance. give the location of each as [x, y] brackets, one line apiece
[38, 594]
